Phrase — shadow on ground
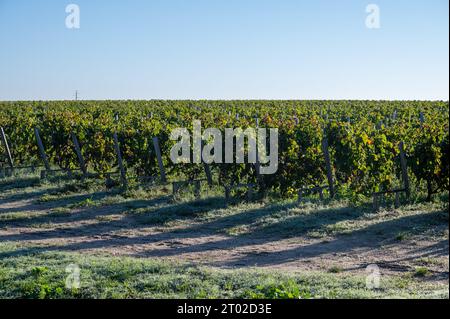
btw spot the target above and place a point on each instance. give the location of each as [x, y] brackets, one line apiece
[204, 226]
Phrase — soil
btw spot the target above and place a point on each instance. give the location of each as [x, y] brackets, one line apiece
[110, 231]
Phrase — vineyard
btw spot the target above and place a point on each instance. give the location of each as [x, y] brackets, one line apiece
[363, 139]
[91, 184]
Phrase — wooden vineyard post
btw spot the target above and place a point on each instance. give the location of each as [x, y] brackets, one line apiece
[376, 202]
[7, 150]
[227, 193]
[397, 200]
[123, 176]
[320, 190]
[257, 163]
[162, 172]
[41, 149]
[207, 171]
[197, 188]
[208, 174]
[250, 193]
[300, 196]
[422, 118]
[79, 155]
[175, 188]
[404, 169]
[326, 154]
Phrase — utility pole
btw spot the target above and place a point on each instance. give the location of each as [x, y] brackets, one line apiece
[76, 95]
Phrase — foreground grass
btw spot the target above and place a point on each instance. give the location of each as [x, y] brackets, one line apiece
[44, 275]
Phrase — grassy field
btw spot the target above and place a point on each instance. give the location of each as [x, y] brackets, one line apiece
[141, 243]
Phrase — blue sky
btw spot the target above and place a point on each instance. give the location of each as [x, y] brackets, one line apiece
[227, 49]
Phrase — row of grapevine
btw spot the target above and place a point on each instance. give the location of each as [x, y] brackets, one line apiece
[363, 137]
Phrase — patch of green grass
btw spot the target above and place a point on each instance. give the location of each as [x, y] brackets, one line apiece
[14, 216]
[288, 289]
[335, 269]
[59, 212]
[338, 228]
[105, 218]
[47, 198]
[88, 202]
[429, 261]
[165, 214]
[146, 193]
[19, 182]
[44, 225]
[421, 272]
[43, 275]
[237, 230]
[401, 236]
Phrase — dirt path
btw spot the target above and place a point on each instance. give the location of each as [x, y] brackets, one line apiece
[109, 229]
